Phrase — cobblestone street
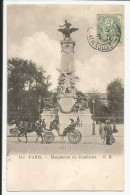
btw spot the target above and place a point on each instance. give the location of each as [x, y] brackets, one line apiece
[61, 145]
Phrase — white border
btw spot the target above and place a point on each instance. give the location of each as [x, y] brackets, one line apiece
[127, 90]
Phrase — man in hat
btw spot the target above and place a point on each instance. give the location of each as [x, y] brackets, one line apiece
[37, 125]
[69, 128]
[43, 124]
[54, 124]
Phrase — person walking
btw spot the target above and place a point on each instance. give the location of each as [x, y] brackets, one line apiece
[112, 137]
[102, 131]
[99, 127]
[78, 121]
[81, 124]
[108, 130]
[114, 127]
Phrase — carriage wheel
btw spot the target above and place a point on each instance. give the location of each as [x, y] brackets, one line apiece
[49, 137]
[74, 136]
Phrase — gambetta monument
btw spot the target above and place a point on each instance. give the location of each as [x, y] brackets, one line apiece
[66, 92]
[66, 88]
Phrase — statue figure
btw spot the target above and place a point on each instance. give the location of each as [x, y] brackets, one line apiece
[67, 31]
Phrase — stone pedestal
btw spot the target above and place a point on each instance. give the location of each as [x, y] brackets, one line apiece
[66, 104]
[67, 92]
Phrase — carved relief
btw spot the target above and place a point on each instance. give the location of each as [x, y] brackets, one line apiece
[66, 83]
[67, 48]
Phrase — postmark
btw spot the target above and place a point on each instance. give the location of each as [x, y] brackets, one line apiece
[106, 35]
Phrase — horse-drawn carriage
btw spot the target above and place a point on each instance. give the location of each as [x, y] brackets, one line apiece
[47, 135]
[74, 136]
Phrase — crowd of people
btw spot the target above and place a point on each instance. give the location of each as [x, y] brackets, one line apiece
[106, 131]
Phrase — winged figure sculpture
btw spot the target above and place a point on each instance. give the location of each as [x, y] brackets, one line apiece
[67, 30]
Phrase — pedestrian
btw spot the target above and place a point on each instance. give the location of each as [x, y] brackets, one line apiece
[78, 121]
[112, 137]
[108, 130]
[102, 131]
[114, 127]
[99, 127]
[81, 124]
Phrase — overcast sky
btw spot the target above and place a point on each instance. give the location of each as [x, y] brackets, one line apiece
[32, 34]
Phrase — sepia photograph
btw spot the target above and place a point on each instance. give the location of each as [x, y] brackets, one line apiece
[65, 97]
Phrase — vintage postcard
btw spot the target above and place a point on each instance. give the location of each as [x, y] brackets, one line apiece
[65, 97]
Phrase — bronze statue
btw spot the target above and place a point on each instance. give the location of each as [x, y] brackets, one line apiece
[67, 31]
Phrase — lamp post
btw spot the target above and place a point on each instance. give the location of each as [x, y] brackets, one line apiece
[93, 125]
[39, 100]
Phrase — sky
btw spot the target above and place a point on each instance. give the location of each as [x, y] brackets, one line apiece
[32, 34]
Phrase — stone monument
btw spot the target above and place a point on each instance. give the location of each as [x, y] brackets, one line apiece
[67, 98]
[66, 92]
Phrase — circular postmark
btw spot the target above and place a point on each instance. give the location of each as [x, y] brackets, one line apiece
[106, 35]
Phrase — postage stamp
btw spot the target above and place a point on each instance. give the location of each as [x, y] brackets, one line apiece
[106, 35]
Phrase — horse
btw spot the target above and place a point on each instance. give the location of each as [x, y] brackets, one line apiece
[26, 127]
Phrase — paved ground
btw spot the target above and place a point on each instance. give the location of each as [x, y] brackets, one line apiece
[89, 145]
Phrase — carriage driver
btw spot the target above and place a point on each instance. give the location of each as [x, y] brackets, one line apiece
[38, 125]
[70, 126]
[55, 124]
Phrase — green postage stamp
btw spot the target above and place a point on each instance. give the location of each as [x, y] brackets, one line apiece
[109, 28]
[106, 35]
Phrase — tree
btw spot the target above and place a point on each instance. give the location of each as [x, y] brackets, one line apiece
[115, 96]
[82, 100]
[101, 111]
[26, 83]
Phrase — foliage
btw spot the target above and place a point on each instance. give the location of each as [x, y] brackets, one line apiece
[51, 101]
[101, 110]
[82, 100]
[115, 96]
[26, 83]
[115, 105]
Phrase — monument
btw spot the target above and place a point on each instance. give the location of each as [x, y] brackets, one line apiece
[66, 88]
[66, 91]
[67, 98]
